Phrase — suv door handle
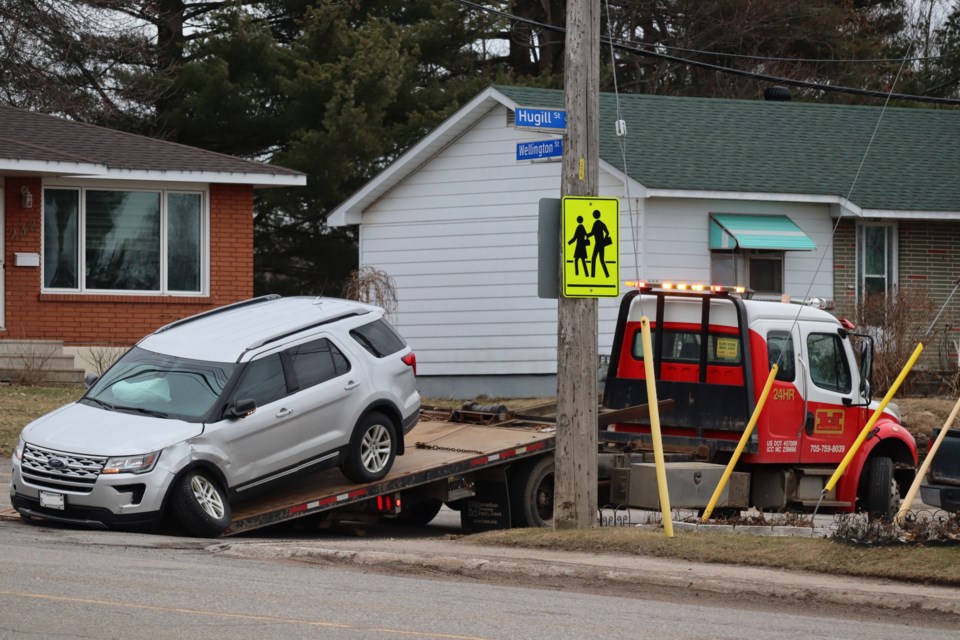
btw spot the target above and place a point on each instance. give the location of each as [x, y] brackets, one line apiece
[350, 386]
[283, 413]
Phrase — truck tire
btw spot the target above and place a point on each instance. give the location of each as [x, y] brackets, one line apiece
[373, 448]
[420, 513]
[531, 494]
[200, 505]
[881, 496]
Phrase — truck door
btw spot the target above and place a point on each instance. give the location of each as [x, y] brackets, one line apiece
[830, 425]
[783, 416]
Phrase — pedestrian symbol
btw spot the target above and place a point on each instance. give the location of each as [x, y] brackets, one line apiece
[591, 262]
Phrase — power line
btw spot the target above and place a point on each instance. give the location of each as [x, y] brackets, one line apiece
[722, 69]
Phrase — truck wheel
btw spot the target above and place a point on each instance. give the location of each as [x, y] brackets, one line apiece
[882, 496]
[420, 513]
[531, 494]
[200, 504]
[372, 449]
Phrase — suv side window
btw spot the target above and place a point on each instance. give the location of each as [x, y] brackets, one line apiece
[379, 338]
[315, 362]
[828, 362]
[263, 380]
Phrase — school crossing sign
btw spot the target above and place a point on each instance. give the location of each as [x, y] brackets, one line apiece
[591, 244]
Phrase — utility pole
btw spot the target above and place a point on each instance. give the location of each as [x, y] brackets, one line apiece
[575, 486]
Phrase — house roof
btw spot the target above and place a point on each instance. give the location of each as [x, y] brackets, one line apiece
[730, 148]
[37, 144]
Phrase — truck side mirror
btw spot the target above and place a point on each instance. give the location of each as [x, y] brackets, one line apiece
[866, 366]
[240, 408]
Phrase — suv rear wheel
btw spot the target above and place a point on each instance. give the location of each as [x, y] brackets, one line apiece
[373, 448]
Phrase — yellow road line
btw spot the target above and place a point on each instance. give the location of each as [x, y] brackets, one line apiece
[224, 614]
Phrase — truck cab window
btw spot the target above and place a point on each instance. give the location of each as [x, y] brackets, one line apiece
[828, 362]
[684, 346]
[780, 352]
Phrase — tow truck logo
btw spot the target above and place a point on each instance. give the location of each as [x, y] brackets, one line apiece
[828, 421]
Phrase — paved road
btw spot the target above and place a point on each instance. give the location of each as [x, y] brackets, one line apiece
[61, 583]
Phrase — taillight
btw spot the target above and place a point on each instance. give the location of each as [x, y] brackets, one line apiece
[411, 361]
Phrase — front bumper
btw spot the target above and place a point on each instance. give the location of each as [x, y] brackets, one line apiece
[118, 500]
[942, 496]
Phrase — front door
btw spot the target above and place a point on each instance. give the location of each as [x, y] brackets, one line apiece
[832, 423]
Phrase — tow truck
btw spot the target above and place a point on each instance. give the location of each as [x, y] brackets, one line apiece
[713, 349]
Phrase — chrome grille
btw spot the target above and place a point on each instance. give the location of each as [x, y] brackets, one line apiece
[59, 470]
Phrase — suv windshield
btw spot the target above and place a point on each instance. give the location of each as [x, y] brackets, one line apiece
[161, 385]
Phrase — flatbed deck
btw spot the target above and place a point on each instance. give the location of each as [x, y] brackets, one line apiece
[434, 450]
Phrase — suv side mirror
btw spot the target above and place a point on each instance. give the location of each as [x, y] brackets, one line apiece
[240, 408]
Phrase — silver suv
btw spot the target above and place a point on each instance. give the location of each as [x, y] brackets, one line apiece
[207, 409]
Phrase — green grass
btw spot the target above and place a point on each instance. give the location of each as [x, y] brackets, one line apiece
[937, 565]
[20, 405]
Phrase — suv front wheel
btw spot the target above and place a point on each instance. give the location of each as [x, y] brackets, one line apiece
[373, 448]
[200, 504]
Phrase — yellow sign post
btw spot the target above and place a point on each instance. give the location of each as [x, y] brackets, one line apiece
[591, 247]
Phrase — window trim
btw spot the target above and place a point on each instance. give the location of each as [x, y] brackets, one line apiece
[742, 258]
[860, 257]
[164, 191]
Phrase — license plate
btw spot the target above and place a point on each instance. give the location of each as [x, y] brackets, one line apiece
[52, 500]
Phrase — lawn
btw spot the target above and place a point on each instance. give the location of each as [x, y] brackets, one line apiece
[20, 405]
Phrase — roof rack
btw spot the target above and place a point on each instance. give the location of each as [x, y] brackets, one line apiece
[212, 312]
[285, 334]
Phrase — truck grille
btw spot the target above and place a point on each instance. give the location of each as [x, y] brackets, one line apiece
[59, 470]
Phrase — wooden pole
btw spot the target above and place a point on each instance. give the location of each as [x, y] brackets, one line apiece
[575, 486]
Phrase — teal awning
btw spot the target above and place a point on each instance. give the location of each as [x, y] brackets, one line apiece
[777, 233]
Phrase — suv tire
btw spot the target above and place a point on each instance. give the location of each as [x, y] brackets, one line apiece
[373, 448]
[200, 504]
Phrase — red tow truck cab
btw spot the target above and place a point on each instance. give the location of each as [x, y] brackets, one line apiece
[712, 353]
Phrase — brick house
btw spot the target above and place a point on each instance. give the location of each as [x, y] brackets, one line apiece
[109, 235]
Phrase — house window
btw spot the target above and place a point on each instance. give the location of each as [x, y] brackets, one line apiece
[123, 241]
[755, 269]
[876, 259]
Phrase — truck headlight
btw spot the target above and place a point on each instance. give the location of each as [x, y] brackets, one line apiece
[18, 452]
[131, 464]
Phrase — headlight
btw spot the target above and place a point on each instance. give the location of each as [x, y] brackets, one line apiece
[18, 452]
[131, 464]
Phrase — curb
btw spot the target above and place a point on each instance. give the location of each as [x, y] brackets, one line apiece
[479, 567]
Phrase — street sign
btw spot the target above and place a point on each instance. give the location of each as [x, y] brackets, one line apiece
[591, 247]
[539, 150]
[540, 119]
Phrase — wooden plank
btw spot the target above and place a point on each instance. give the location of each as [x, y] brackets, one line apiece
[606, 418]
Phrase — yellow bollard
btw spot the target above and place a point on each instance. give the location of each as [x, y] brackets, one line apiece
[912, 493]
[740, 445]
[655, 426]
[872, 421]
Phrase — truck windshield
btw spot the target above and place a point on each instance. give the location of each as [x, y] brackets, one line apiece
[161, 385]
